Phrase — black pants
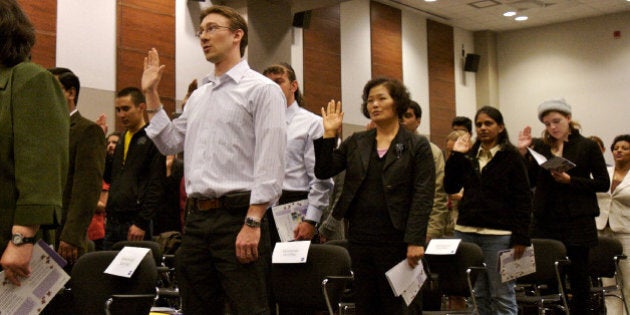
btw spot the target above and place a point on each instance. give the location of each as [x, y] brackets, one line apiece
[208, 272]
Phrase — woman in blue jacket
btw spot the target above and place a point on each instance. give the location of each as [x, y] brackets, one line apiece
[494, 212]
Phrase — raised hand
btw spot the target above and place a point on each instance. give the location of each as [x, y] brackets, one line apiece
[152, 71]
[462, 144]
[524, 140]
[332, 117]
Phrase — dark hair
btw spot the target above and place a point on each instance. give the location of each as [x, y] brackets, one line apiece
[619, 138]
[462, 121]
[68, 80]
[599, 142]
[17, 33]
[136, 95]
[417, 110]
[396, 89]
[236, 21]
[115, 133]
[281, 69]
[502, 138]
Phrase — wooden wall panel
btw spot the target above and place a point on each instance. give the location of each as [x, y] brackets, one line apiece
[386, 41]
[43, 15]
[441, 61]
[322, 58]
[142, 25]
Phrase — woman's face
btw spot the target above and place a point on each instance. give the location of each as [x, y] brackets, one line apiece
[557, 125]
[621, 152]
[380, 105]
[487, 130]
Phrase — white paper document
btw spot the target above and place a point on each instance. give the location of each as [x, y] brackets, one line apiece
[35, 292]
[290, 252]
[443, 246]
[127, 261]
[510, 269]
[288, 216]
[406, 281]
[556, 163]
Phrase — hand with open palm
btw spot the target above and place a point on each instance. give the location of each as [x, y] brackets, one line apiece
[332, 117]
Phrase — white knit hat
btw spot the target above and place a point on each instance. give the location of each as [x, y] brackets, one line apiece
[558, 104]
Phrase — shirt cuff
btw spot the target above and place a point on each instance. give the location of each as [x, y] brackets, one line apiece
[313, 214]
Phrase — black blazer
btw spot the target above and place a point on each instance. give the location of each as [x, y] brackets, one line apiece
[408, 177]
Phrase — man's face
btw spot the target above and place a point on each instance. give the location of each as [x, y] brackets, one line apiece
[410, 121]
[131, 116]
[112, 141]
[288, 87]
[219, 42]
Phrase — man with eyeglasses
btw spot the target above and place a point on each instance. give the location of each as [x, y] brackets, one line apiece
[233, 131]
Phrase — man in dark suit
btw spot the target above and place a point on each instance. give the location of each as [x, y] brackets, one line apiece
[85, 173]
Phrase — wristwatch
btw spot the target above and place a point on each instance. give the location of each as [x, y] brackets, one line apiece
[252, 222]
[18, 239]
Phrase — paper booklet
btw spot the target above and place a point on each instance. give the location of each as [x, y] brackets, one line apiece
[556, 163]
[510, 269]
[406, 281]
[35, 292]
[288, 216]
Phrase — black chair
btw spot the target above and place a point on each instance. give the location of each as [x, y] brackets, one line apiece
[604, 262]
[544, 289]
[456, 274]
[315, 285]
[95, 292]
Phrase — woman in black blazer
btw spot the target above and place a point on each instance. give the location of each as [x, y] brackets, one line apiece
[565, 203]
[387, 194]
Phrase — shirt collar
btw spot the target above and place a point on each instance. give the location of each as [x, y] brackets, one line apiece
[236, 73]
[291, 111]
[493, 150]
[76, 110]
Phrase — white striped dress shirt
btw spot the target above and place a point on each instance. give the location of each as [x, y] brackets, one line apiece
[233, 133]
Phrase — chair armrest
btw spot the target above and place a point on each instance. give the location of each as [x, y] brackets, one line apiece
[325, 287]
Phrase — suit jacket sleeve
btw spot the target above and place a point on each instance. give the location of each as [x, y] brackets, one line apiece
[86, 186]
[40, 131]
[153, 194]
[328, 161]
[423, 193]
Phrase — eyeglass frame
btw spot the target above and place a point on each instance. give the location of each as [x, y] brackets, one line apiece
[211, 29]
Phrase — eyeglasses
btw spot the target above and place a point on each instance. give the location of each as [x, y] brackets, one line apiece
[211, 29]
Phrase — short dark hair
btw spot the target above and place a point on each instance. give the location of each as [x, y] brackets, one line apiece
[17, 33]
[619, 138]
[282, 68]
[136, 95]
[236, 21]
[462, 121]
[417, 110]
[68, 80]
[396, 89]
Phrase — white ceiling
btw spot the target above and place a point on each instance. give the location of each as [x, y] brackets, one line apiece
[478, 15]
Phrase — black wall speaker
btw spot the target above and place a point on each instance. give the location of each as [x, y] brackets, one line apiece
[302, 19]
[472, 62]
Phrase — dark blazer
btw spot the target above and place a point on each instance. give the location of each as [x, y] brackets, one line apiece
[85, 175]
[408, 177]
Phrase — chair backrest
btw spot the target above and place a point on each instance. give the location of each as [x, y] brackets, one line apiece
[451, 269]
[91, 287]
[300, 285]
[546, 253]
[602, 257]
[155, 248]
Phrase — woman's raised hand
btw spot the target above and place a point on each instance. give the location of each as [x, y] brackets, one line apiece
[332, 117]
[524, 140]
[462, 144]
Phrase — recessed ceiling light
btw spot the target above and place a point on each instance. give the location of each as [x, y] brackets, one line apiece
[436, 0]
[513, 13]
[521, 18]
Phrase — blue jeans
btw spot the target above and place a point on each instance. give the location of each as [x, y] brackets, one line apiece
[493, 296]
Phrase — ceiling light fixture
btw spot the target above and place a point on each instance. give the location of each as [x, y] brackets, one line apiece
[521, 18]
[509, 13]
[436, 0]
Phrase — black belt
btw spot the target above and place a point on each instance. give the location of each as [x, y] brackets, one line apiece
[230, 201]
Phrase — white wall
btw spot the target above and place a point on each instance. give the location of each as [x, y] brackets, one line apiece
[415, 64]
[578, 60]
[465, 91]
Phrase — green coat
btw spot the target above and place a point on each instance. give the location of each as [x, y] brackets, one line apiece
[34, 127]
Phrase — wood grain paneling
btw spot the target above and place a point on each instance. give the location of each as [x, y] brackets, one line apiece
[322, 58]
[386, 41]
[43, 15]
[441, 79]
[142, 25]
